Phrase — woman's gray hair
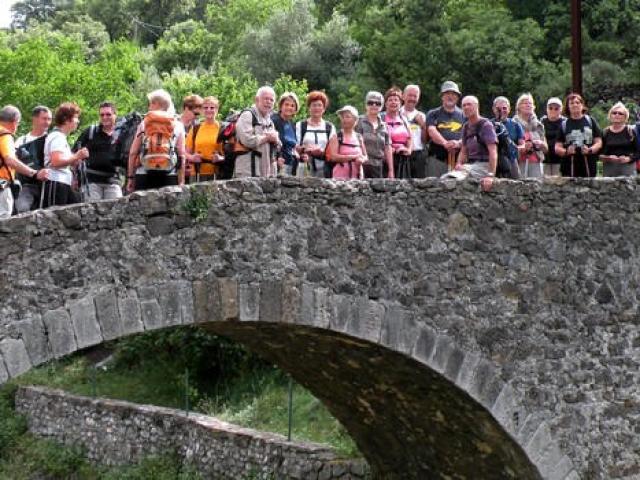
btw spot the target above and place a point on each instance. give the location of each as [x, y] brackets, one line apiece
[10, 114]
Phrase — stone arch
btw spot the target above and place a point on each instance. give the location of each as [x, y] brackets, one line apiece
[435, 410]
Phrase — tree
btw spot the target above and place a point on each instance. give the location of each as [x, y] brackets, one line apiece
[187, 45]
[29, 11]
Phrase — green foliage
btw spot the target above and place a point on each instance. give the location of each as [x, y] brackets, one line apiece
[53, 68]
[260, 401]
[502, 52]
[197, 205]
[12, 426]
[291, 43]
[187, 45]
[165, 467]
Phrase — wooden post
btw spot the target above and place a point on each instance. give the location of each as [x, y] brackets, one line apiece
[576, 46]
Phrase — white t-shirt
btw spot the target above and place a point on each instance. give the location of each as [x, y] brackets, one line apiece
[57, 142]
[315, 134]
[416, 131]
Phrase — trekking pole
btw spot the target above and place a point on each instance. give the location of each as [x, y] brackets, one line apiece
[451, 161]
[572, 167]
[197, 172]
[290, 408]
[586, 165]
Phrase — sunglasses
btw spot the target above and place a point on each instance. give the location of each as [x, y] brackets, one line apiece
[617, 113]
[372, 103]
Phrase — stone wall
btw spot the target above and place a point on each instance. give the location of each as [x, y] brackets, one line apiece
[120, 433]
[522, 303]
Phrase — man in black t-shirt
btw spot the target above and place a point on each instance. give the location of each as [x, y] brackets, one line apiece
[444, 125]
[100, 178]
[552, 122]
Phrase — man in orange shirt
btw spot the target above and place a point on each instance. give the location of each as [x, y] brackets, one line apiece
[9, 164]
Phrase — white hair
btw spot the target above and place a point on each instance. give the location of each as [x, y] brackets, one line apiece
[501, 99]
[411, 87]
[266, 89]
[162, 98]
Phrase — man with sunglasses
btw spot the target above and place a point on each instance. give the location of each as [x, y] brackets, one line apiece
[501, 110]
[552, 122]
[444, 125]
[191, 110]
[98, 178]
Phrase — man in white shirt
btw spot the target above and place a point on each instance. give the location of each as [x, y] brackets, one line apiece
[29, 197]
[418, 126]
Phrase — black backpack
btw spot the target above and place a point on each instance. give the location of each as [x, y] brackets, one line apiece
[123, 136]
[32, 155]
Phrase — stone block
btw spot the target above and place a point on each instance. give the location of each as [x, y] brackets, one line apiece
[169, 299]
[130, 314]
[562, 469]
[291, 300]
[4, 375]
[345, 312]
[228, 289]
[106, 305]
[538, 443]
[487, 386]
[249, 302]
[185, 292]
[60, 332]
[370, 316]
[33, 334]
[271, 301]
[206, 300]
[85, 323]
[316, 310]
[151, 314]
[425, 344]
[444, 348]
[466, 374]
[16, 358]
[504, 409]
[399, 330]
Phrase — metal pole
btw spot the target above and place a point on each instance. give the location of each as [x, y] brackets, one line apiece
[186, 391]
[94, 386]
[576, 46]
[290, 408]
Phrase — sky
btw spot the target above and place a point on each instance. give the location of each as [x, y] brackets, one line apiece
[5, 12]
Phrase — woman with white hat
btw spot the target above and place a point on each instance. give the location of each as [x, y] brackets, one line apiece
[346, 149]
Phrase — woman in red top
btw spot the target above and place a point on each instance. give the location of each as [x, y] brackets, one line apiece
[399, 132]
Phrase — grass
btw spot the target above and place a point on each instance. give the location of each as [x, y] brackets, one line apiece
[257, 399]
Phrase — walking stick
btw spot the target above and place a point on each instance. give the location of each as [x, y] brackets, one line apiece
[451, 161]
[572, 166]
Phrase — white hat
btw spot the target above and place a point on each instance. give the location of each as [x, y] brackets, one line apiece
[554, 101]
[348, 108]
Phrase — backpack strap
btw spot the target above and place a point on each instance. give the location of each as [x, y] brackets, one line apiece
[4, 164]
[303, 131]
[92, 131]
[194, 134]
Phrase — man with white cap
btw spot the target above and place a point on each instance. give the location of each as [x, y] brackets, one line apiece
[444, 125]
[552, 122]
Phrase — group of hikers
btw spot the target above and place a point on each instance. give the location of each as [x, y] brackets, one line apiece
[391, 139]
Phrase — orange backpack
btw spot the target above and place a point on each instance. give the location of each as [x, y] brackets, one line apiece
[158, 143]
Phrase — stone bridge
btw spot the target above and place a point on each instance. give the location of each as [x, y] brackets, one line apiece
[455, 334]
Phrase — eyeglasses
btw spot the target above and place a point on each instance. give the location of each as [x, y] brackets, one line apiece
[617, 113]
[372, 103]
[106, 114]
